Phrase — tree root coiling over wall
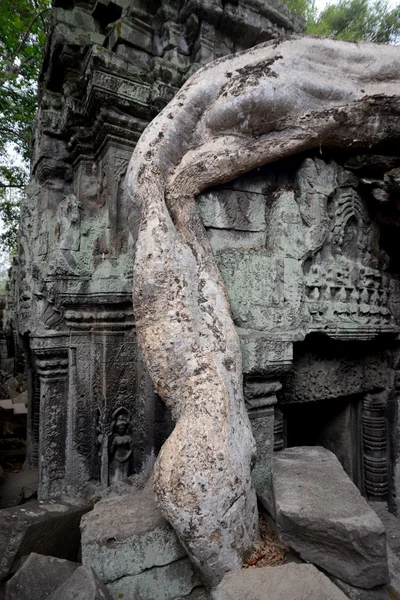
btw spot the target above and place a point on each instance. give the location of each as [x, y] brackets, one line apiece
[235, 114]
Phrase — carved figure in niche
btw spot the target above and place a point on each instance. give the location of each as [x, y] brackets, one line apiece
[68, 227]
[121, 446]
[103, 195]
[49, 311]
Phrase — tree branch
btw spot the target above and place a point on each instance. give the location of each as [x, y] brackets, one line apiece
[11, 132]
[24, 39]
[41, 14]
[10, 185]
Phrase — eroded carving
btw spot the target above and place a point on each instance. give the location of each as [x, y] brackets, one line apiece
[121, 446]
[68, 225]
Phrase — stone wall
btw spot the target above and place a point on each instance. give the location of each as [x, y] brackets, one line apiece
[307, 250]
[109, 68]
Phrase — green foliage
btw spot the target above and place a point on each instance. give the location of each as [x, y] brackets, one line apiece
[22, 36]
[23, 25]
[9, 212]
[352, 20]
[355, 20]
[305, 8]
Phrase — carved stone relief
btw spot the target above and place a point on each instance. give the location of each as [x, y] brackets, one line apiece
[68, 223]
[120, 446]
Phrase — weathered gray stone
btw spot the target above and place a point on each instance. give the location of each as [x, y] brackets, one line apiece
[134, 550]
[394, 570]
[82, 585]
[355, 593]
[49, 528]
[198, 594]
[127, 535]
[287, 582]
[164, 583]
[38, 577]
[321, 514]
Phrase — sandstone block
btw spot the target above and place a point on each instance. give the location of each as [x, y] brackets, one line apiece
[162, 583]
[82, 585]
[50, 528]
[321, 514]
[134, 550]
[355, 593]
[38, 577]
[292, 581]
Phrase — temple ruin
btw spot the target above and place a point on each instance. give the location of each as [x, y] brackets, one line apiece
[109, 68]
[257, 224]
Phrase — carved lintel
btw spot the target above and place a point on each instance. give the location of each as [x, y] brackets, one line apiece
[116, 318]
[52, 364]
[263, 356]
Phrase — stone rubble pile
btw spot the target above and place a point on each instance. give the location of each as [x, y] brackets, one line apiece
[128, 550]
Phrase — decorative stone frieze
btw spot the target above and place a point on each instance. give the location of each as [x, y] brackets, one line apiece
[109, 68]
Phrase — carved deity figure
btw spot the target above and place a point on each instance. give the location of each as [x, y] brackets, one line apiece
[68, 228]
[121, 447]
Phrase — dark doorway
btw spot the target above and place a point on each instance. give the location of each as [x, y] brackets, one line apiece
[333, 424]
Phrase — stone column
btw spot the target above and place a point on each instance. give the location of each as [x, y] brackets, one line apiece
[374, 436]
[260, 397]
[52, 368]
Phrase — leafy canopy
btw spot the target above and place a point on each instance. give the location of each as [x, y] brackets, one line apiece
[352, 20]
[23, 25]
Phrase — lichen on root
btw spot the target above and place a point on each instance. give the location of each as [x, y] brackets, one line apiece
[235, 114]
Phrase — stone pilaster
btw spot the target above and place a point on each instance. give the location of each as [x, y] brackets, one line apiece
[375, 451]
[52, 368]
[260, 397]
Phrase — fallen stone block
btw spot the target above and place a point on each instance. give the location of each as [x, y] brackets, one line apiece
[21, 398]
[82, 585]
[168, 582]
[134, 550]
[50, 528]
[355, 593]
[286, 582]
[19, 487]
[321, 515]
[38, 577]
[394, 570]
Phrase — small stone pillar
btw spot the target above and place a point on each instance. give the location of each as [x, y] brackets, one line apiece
[260, 397]
[52, 367]
[374, 435]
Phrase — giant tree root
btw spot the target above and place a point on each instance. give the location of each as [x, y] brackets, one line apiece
[233, 115]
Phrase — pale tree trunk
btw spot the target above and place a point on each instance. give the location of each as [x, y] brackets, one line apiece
[235, 114]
